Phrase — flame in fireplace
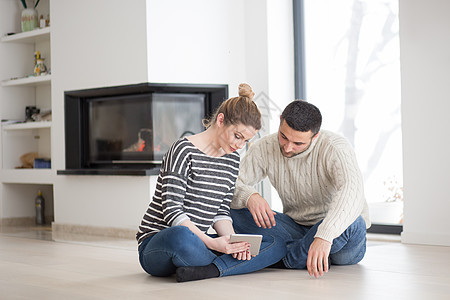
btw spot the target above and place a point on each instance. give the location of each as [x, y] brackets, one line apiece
[144, 142]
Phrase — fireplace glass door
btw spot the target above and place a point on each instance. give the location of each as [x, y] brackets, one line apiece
[141, 128]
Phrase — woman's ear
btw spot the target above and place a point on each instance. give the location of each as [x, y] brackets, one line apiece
[220, 120]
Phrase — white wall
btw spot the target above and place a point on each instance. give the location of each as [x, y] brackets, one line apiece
[280, 72]
[204, 41]
[196, 41]
[281, 56]
[425, 65]
[224, 41]
[95, 44]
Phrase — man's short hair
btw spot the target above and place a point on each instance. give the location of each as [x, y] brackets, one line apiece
[302, 116]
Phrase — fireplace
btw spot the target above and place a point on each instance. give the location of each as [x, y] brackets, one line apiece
[126, 130]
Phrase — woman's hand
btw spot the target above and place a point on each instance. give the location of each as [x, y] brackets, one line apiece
[225, 228]
[244, 255]
[222, 244]
[239, 250]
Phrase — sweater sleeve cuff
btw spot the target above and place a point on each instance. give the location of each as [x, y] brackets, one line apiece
[324, 234]
[240, 198]
[221, 217]
[180, 219]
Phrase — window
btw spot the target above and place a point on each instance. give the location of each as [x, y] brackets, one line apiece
[348, 64]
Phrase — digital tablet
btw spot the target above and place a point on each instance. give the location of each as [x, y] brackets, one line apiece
[253, 239]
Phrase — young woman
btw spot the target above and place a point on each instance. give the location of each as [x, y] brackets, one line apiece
[193, 193]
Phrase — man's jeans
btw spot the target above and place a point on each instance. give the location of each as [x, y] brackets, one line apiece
[347, 249]
[177, 246]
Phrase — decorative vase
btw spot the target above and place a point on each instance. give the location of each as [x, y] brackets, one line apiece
[29, 19]
[40, 68]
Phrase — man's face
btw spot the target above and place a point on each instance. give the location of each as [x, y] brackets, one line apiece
[293, 142]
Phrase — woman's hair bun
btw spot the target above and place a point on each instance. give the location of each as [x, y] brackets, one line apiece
[245, 90]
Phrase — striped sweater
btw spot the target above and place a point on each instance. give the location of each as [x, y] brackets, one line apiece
[191, 186]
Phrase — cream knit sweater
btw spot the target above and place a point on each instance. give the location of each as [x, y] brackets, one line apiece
[324, 182]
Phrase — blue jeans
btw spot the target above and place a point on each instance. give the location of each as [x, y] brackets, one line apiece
[347, 249]
[162, 253]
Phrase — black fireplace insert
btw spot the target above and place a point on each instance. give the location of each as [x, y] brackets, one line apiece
[126, 130]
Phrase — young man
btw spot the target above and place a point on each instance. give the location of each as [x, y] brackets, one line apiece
[315, 172]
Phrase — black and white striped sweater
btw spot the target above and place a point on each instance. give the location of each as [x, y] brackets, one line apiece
[191, 185]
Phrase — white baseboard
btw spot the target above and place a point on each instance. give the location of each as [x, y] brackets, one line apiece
[425, 239]
[60, 230]
[23, 221]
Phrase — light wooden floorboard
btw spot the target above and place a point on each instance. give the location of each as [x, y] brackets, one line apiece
[104, 269]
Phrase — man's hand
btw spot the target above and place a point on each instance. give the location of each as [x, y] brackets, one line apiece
[318, 254]
[261, 211]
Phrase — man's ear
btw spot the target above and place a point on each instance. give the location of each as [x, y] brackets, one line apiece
[315, 136]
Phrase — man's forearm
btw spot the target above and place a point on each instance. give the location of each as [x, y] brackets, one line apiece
[241, 195]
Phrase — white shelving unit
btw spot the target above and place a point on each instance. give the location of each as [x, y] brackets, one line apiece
[30, 139]
[26, 135]
[19, 88]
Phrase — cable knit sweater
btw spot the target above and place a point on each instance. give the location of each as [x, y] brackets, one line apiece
[324, 182]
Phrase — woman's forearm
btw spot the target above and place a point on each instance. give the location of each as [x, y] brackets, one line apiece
[223, 227]
[205, 238]
[220, 244]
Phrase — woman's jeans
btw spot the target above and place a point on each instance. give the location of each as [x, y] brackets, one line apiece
[162, 253]
[347, 249]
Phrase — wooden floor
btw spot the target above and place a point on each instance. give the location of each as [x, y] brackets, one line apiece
[32, 266]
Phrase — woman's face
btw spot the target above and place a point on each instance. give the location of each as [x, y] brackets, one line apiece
[234, 137]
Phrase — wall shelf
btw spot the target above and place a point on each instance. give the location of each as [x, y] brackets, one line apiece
[29, 81]
[29, 37]
[28, 176]
[28, 125]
